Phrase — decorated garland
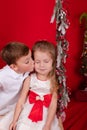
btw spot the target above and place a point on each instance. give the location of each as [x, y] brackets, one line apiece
[83, 22]
[84, 52]
[62, 25]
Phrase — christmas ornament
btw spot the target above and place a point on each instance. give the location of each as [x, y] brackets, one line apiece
[62, 24]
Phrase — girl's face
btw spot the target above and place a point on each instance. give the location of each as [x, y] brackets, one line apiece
[43, 62]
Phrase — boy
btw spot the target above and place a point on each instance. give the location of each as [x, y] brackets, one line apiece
[19, 63]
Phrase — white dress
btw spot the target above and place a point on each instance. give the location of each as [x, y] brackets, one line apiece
[24, 123]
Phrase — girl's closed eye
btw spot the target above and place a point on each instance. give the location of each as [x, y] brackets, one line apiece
[37, 62]
[46, 61]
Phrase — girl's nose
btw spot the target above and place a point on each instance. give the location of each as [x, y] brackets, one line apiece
[41, 64]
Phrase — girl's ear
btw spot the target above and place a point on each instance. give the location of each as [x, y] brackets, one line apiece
[14, 67]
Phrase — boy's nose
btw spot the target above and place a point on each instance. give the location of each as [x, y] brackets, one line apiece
[32, 61]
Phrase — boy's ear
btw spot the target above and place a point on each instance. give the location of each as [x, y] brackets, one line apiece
[13, 66]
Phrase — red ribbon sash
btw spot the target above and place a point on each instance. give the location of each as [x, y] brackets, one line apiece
[37, 109]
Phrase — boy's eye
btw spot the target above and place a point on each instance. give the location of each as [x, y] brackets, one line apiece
[26, 62]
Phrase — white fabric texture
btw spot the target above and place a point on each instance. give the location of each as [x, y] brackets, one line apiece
[10, 85]
[6, 120]
[41, 88]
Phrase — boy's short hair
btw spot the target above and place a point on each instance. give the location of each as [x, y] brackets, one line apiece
[13, 51]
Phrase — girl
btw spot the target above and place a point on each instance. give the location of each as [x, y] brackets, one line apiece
[39, 111]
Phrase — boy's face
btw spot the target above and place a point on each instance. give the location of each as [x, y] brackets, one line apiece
[24, 64]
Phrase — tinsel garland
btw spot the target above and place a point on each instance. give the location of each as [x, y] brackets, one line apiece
[62, 24]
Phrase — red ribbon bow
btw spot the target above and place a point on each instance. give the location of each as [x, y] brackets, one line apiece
[37, 109]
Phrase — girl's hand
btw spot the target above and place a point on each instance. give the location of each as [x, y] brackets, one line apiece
[46, 128]
[12, 126]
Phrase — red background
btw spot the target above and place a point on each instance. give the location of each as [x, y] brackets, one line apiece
[29, 20]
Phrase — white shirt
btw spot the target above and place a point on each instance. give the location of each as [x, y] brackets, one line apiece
[10, 86]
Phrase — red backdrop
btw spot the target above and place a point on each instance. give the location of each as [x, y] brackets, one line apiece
[28, 21]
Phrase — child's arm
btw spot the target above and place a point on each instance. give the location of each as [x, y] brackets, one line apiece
[60, 123]
[51, 112]
[20, 103]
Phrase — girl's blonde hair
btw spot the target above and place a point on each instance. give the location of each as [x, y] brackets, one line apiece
[46, 46]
